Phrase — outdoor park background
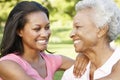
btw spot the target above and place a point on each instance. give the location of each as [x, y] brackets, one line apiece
[61, 14]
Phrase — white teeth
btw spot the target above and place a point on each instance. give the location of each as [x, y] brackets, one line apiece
[76, 41]
[41, 41]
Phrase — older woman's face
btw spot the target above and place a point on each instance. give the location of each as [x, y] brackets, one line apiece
[84, 33]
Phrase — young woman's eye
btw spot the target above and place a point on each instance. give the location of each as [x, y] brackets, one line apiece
[37, 29]
[47, 27]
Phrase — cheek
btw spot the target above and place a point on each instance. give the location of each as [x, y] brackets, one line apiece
[80, 33]
[91, 39]
[49, 33]
[32, 34]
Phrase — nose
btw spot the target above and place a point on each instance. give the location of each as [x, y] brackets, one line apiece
[72, 34]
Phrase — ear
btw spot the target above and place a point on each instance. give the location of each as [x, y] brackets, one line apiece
[19, 32]
[103, 31]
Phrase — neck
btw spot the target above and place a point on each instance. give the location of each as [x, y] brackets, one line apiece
[31, 56]
[99, 55]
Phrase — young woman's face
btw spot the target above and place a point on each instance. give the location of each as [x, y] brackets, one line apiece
[84, 33]
[36, 32]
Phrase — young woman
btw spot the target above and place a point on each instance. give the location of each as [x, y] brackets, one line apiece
[24, 42]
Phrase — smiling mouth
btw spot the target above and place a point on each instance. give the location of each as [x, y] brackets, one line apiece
[76, 41]
[42, 42]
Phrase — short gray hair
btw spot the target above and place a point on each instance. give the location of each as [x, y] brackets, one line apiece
[107, 12]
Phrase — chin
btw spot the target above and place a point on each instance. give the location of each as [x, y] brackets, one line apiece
[78, 50]
[42, 48]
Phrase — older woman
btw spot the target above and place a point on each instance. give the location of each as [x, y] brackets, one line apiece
[24, 42]
[95, 25]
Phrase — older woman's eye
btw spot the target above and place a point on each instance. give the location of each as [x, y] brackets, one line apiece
[78, 26]
[47, 27]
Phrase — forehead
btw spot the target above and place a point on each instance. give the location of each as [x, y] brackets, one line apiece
[40, 17]
[83, 16]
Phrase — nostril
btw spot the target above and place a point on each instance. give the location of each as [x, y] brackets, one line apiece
[72, 34]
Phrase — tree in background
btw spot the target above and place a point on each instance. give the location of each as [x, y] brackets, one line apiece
[59, 9]
[61, 14]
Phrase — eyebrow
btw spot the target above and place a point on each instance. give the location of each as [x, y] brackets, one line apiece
[48, 24]
[40, 24]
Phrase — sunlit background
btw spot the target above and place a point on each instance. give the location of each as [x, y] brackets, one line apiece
[61, 14]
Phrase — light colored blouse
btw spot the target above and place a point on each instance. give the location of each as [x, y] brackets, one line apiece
[103, 71]
[53, 62]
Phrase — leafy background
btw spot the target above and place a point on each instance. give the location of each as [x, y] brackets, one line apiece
[61, 15]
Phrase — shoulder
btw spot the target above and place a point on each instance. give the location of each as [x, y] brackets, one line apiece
[68, 74]
[8, 67]
[11, 56]
[10, 70]
[54, 61]
[117, 58]
[52, 56]
[117, 53]
[6, 64]
[15, 59]
[117, 65]
[117, 50]
[11, 60]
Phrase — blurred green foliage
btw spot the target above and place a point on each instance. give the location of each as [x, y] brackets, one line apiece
[118, 2]
[61, 14]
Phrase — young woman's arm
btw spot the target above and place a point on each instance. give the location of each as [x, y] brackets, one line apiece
[66, 62]
[10, 70]
[79, 66]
